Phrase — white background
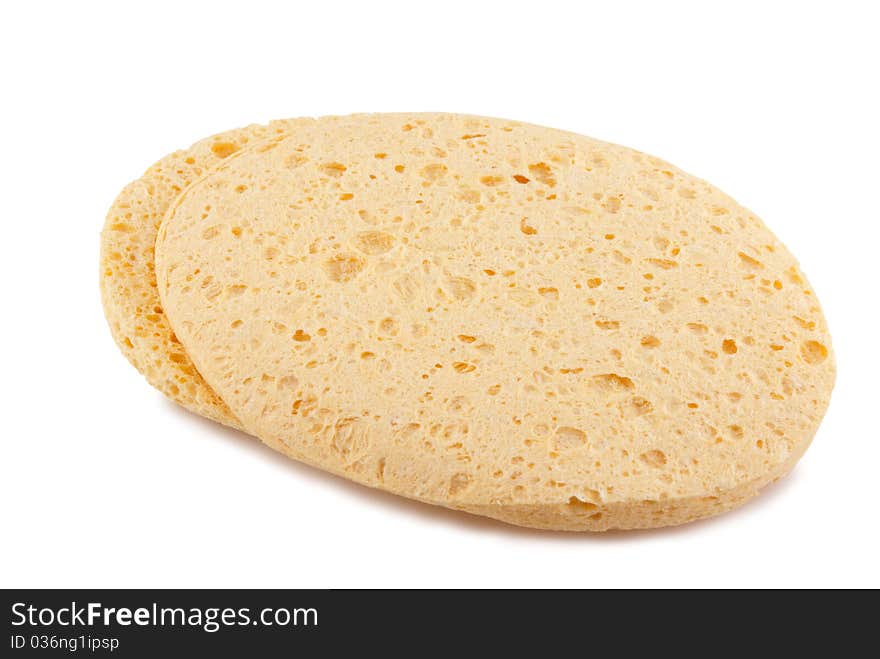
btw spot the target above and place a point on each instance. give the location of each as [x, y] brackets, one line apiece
[104, 483]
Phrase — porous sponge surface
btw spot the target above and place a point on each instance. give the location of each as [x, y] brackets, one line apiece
[497, 317]
[128, 280]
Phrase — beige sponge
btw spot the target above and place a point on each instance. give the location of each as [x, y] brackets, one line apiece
[128, 280]
[497, 317]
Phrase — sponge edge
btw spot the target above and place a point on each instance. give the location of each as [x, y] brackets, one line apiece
[128, 281]
[578, 515]
[499, 318]
[584, 513]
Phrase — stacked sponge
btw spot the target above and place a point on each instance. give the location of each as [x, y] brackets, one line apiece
[497, 317]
